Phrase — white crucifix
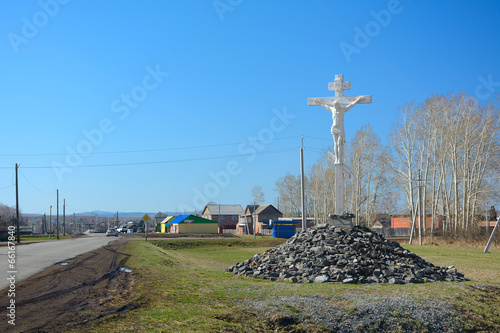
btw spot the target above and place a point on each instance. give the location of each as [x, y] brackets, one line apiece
[338, 106]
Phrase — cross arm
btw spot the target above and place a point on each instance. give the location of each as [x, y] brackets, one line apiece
[340, 85]
[317, 101]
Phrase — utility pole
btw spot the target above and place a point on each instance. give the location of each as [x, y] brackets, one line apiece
[57, 219]
[218, 221]
[64, 217]
[420, 215]
[254, 222]
[74, 221]
[302, 187]
[17, 207]
[50, 222]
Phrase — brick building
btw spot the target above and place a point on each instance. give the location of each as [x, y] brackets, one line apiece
[404, 221]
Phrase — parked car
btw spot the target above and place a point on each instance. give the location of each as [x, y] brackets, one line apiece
[112, 232]
[122, 229]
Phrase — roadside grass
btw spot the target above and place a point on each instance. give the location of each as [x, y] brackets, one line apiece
[41, 237]
[181, 287]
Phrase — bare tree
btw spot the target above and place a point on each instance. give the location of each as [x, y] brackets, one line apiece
[367, 185]
[288, 188]
[454, 142]
[322, 188]
[258, 195]
[403, 140]
[8, 214]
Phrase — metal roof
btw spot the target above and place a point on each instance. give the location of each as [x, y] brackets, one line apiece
[224, 209]
[168, 218]
[258, 209]
[178, 219]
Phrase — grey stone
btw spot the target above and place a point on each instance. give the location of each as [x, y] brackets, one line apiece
[321, 278]
[349, 280]
[333, 254]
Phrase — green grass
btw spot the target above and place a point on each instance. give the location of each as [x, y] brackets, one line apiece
[42, 237]
[180, 286]
[479, 266]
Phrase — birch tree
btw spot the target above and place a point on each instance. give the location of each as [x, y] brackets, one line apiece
[322, 187]
[367, 159]
[454, 141]
[288, 188]
[403, 140]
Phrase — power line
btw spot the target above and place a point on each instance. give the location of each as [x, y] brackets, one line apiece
[36, 188]
[319, 150]
[146, 150]
[316, 138]
[13, 181]
[164, 162]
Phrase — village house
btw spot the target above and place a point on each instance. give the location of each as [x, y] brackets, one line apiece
[164, 224]
[192, 224]
[381, 221]
[256, 217]
[157, 221]
[225, 215]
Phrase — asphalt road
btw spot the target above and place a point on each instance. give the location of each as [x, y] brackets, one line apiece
[33, 258]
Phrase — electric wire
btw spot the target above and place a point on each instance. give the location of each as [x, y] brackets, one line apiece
[316, 138]
[13, 182]
[3, 188]
[146, 150]
[163, 162]
[36, 188]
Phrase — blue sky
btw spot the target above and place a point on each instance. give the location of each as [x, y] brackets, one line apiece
[165, 105]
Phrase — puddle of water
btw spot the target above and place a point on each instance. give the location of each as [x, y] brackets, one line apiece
[64, 264]
[126, 270]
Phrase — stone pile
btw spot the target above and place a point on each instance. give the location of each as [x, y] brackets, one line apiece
[332, 254]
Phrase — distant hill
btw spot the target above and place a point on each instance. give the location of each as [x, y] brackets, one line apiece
[111, 214]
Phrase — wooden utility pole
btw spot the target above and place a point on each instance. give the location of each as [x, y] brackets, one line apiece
[50, 222]
[57, 218]
[17, 207]
[420, 215]
[64, 217]
[302, 187]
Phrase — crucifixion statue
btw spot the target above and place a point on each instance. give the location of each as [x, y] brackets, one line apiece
[338, 106]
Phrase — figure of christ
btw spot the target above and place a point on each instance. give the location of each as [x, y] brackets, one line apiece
[338, 110]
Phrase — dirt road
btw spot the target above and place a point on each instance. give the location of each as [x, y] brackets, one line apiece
[69, 295]
[34, 257]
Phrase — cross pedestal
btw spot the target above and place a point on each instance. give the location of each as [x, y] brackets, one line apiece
[341, 173]
[338, 106]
